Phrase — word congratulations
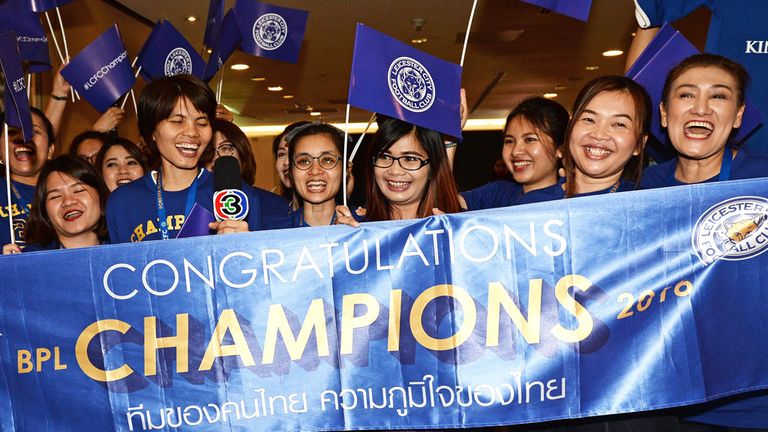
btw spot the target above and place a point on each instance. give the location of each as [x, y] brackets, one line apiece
[361, 316]
[239, 269]
[101, 73]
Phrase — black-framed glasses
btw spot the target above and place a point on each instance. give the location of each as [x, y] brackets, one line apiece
[226, 149]
[327, 161]
[407, 162]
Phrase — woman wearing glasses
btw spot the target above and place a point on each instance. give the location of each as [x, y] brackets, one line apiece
[409, 175]
[315, 166]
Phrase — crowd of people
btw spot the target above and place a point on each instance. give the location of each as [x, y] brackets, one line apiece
[108, 189]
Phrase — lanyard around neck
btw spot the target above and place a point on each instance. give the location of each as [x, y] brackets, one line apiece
[19, 200]
[161, 213]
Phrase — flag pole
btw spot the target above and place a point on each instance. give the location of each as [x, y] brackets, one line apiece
[466, 35]
[346, 160]
[29, 82]
[8, 182]
[360, 140]
[53, 36]
[64, 35]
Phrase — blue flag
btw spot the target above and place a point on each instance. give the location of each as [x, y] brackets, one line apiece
[227, 41]
[33, 43]
[395, 79]
[668, 48]
[214, 22]
[101, 72]
[166, 52]
[271, 31]
[44, 5]
[578, 9]
[16, 103]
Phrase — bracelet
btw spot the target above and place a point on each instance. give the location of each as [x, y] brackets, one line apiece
[58, 98]
[450, 144]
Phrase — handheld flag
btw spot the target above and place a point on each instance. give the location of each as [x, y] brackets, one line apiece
[578, 9]
[101, 72]
[32, 41]
[271, 31]
[44, 5]
[650, 70]
[16, 103]
[166, 52]
[394, 79]
[227, 41]
[214, 22]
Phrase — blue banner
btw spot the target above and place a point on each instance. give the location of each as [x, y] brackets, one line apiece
[44, 5]
[33, 43]
[166, 52]
[271, 31]
[213, 22]
[395, 79]
[102, 71]
[587, 306]
[227, 41]
[668, 48]
[578, 9]
[15, 99]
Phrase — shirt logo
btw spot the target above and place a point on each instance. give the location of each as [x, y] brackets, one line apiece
[732, 230]
[270, 31]
[178, 62]
[411, 84]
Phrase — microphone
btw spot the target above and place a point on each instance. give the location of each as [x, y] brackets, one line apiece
[229, 202]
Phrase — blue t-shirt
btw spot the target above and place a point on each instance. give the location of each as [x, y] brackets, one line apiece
[745, 165]
[132, 208]
[19, 210]
[503, 193]
[737, 30]
[273, 206]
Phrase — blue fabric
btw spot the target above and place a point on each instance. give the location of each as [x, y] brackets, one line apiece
[745, 165]
[156, 59]
[271, 31]
[17, 112]
[33, 43]
[273, 206]
[132, 208]
[737, 30]
[19, 219]
[584, 307]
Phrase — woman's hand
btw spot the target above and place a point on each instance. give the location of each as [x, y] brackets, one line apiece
[229, 226]
[109, 120]
[11, 248]
[223, 113]
[60, 86]
[344, 216]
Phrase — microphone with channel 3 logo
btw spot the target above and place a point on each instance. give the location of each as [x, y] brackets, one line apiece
[229, 202]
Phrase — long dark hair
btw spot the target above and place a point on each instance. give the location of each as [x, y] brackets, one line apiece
[611, 83]
[39, 228]
[441, 191]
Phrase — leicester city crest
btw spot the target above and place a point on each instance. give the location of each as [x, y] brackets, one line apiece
[411, 84]
[178, 62]
[732, 230]
[270, 31]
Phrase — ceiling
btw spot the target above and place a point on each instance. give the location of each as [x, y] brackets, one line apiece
[515, 50]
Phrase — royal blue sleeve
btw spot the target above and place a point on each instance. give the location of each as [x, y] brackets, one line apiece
[493, 195]
[654, 13]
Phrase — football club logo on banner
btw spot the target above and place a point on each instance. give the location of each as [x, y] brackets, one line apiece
[270, 31]
[411, 84]
[178, 62]
[732, 230]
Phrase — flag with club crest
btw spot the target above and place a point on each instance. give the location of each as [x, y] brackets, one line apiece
[101, 72]
[31, 38]
[214, 22]
[578, 9]
[44, 5]
[271, 31]
[166, 52]
[668, 48]
[392, 78]
[227, 41]
[16, 103]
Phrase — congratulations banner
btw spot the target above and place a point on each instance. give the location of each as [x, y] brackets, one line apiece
[588, 306]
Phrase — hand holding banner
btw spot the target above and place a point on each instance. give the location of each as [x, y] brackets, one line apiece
[394, 79]
[101, 72]
[271, 31]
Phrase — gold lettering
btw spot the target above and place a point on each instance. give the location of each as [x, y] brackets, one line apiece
[349, 322]
[152, 343]
[277, 323]
[81, 351]
[571, 305]
[227, 323]
[498, 297]
[467, 323]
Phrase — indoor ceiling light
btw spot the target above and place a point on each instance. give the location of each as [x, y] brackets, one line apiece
[287, 96]
[592, 68]
[612, 53]
[275, 88]
[419, 41]
[258, 78]
[315, 113]
[550, 95]
[191, 18]
[239, 66]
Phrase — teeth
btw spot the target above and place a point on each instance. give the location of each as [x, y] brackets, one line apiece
[397, 184]
[188, 146]
[521, 164]
[595, 151]
[22, 149]
[72, 214]
[700, 124]
[316, 183]
[123, 181]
